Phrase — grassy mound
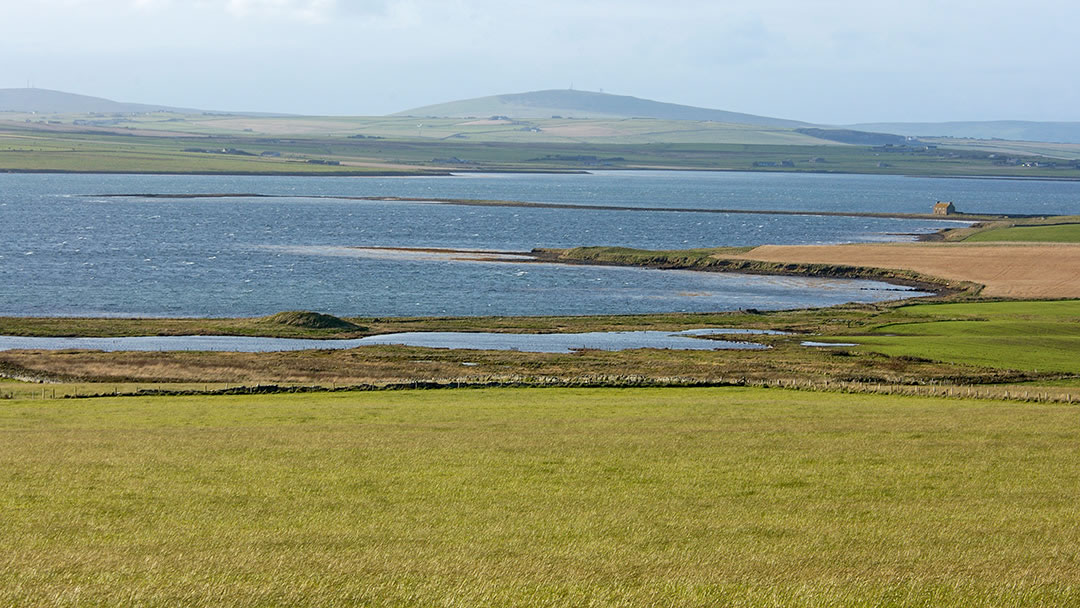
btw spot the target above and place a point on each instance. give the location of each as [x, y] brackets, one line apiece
[310, 320]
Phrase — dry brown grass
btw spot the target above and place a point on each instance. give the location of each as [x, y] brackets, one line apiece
[787, 361]
[1007, 270]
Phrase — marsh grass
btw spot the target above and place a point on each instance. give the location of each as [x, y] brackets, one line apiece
[787, 360]
[970, 343]
[540, 497]
[289, 324]
[808, 320]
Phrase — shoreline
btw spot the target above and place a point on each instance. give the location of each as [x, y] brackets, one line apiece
[449, 172]
[52, 325]
[956, 217]
[374, 173]
[1018, 178]
[386, 173]
[939, 287]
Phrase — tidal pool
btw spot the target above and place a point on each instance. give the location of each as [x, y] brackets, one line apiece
[537, 343]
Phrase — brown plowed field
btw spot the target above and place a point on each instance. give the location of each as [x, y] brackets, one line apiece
[1008, 270]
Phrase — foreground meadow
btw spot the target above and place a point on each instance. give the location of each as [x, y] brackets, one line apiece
[543, 497]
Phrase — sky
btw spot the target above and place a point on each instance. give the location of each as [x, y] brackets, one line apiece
[822, 61]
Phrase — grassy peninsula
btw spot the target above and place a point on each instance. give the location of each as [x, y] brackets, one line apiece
[731, 259]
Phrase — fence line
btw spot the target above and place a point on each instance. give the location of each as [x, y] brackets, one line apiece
[968, 391]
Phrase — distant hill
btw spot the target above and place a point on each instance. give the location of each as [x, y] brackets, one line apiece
[1015, 130]
[46, 101]
[584, 104]
[859, 138]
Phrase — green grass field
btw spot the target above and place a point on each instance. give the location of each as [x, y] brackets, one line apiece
[1009, 147]
[1061, 233]
[26, 150]
[540, 497]
[367, 146]
[1030, 335]
[611, 130]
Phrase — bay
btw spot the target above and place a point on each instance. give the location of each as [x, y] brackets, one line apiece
[66, 251]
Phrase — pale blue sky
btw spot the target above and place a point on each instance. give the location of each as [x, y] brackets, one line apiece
[814, 60]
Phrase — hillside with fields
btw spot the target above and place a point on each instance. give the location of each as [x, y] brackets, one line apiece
[43, 130]
[1012, 130]
[562, 115]
[44, 101]
[585, 104]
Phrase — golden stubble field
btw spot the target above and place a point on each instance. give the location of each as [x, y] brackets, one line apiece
[1019, 270]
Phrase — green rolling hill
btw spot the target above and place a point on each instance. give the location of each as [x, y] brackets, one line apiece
[44, 101]
[585, 104]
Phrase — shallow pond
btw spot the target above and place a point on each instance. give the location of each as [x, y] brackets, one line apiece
[538, 343]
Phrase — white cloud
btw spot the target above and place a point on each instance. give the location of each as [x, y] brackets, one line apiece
[310, 11]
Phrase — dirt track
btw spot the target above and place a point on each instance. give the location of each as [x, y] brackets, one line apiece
[1008, 270]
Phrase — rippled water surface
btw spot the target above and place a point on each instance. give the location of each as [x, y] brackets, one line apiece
[67, 251]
